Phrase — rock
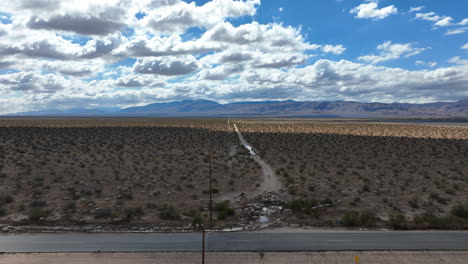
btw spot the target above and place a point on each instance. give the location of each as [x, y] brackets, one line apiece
[7, 229]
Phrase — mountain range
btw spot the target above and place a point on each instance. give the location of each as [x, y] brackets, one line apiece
[289, 108]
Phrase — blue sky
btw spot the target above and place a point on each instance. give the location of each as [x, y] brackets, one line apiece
[80, 53]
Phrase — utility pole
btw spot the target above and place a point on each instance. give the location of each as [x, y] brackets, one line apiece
[211, 198]
[203, 244]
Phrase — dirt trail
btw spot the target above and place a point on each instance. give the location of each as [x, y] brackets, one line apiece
[270, 180]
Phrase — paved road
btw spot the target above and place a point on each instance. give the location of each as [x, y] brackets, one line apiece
[234, 242]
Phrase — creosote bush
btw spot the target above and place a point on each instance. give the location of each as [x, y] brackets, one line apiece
[37, 213]
[364, 219]
[168, 212]
[223, 210]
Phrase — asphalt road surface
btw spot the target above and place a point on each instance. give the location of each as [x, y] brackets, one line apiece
[169, 242]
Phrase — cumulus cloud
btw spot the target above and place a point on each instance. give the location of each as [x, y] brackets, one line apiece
[465, 47]
[444, 21]
[132, 80]
[142, 46]
[55, 47]
[83, 17]
[389, 51]
[6, 64]
[371, 10]
[430, 64]
[180, 16]
[169, 66]
[80, 24]
[78, 53]
[29, 82]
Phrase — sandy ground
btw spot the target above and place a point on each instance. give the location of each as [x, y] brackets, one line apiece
[348, 257]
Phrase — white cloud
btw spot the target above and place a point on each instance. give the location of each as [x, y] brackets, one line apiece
[170, 66]
[34, 83]
[416, 9]
[179, 17]
[465, 47]
[133, 80]
[431, 16]
[389, 51]
[426, 64]
[371, 10]
[446, 21]
[55, 46]
[337, 50]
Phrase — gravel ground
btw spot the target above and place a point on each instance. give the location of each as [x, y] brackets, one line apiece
[380, 257]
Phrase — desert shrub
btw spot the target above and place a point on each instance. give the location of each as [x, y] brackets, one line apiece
[351, 219]
[433, 221]
[38, 203]
[213, 191]
[397, 221]
[37, 193]
[223, 210]
[292, 190]
[131, 213]
[436, 196]
[365, 188]
[5, 199]
[365, 219]
[38, 179]
[460, 211]
[151, 206]
[197, 219]
[168, 212]
[36, 214]
[414, 203]
[103, 213]
[69, 206]
[3, 212]
[301, 204]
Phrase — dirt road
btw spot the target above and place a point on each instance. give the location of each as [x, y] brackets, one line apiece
[343, 257]
[270, 182]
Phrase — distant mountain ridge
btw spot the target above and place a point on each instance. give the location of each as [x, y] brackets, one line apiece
[289, 108]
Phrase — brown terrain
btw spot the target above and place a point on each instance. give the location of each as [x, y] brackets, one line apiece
[153, 174]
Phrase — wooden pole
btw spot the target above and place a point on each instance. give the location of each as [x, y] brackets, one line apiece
[211, 197]
[203, 245]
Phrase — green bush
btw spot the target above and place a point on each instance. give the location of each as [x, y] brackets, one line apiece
[301, 204]
[36, 214]
[398, 221]
[5, 199]
[103, 213]
[130, 213]
[223, 210]
[168, 213]
[3, 212]
[70, 206]
[365, 219]
[460, 211]
[197, 219]
[38, 203]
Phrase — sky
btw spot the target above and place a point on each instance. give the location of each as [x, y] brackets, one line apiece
[57, 54]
